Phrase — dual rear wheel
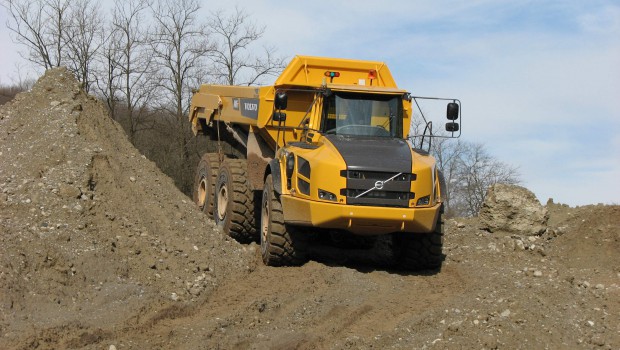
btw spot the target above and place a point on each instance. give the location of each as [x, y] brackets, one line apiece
[223, 192]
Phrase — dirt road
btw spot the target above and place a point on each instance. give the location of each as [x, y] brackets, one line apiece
[99, 250]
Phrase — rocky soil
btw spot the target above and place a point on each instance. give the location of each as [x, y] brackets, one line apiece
[99, 250]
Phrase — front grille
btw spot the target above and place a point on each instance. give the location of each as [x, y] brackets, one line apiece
[394, 193]
[376, 175]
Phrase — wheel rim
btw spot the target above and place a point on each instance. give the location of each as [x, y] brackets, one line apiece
[222, 202]
[264, 223]
[202, 192]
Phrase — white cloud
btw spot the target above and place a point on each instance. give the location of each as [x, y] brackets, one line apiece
[604, 20]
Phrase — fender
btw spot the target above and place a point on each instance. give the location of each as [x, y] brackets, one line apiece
[442, 186]
[274, 166]
[258, 155]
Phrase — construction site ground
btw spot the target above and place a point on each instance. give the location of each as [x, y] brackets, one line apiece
[99, 250]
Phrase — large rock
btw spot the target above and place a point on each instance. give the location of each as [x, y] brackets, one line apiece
[512, 209]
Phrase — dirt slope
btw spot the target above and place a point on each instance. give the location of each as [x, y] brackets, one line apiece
[93, 236]
[98, 250]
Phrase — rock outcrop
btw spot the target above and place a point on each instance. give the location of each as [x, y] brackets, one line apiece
[512, 209]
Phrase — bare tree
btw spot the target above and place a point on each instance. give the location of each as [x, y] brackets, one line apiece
[471, 174]
[83, 35]
[179, 45]
[234, 62]
[129, 56]
[57, 12]
[58, 32]
[447, 152]
[39, 26]
[108, 71]
[27, 22]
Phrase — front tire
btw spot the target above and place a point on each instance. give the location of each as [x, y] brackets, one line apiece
[234, 210]
[420, 251]
[281, 244]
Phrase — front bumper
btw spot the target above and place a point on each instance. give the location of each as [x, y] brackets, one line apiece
[363, 220]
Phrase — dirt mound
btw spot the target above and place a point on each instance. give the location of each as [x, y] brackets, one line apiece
[98, 249]
[588, 237]
[91, 232]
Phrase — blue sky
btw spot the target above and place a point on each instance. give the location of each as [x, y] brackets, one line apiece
[539, 80]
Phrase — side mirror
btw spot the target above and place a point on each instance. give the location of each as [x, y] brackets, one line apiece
[452, 127]
[279, 117]
[452, 112]
[280, 100]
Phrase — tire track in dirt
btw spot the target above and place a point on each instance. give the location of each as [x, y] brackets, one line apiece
[313, 306]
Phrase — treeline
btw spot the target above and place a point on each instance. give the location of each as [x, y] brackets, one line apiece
[8, 92]
[143, 58]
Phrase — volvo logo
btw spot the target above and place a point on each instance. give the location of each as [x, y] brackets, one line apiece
[378, 185]
[250, 106]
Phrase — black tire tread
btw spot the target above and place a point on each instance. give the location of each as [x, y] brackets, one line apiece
[421, 251]
[209, 163]
[242, 225]
[287, 245]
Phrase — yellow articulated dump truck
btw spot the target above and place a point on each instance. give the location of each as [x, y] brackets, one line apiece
[324, 151]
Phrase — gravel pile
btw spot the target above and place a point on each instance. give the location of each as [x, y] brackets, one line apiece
[88, 224]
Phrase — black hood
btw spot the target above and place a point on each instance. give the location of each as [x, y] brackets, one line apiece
[373, 153]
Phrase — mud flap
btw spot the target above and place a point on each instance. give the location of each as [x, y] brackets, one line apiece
[274, 166]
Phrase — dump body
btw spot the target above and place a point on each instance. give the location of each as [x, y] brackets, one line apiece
[330, 138]
[253, 106]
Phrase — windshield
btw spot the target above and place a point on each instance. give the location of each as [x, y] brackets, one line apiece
[360, 114]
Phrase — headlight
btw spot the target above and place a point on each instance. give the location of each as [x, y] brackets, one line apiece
[326, 195]
[426, 200]
[290, 165]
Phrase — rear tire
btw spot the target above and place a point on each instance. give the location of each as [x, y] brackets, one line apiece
[234, 210]
[204, 182]
[420, 251]
[280, 244]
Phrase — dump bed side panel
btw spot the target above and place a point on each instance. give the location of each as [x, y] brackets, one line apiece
[232, 104]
